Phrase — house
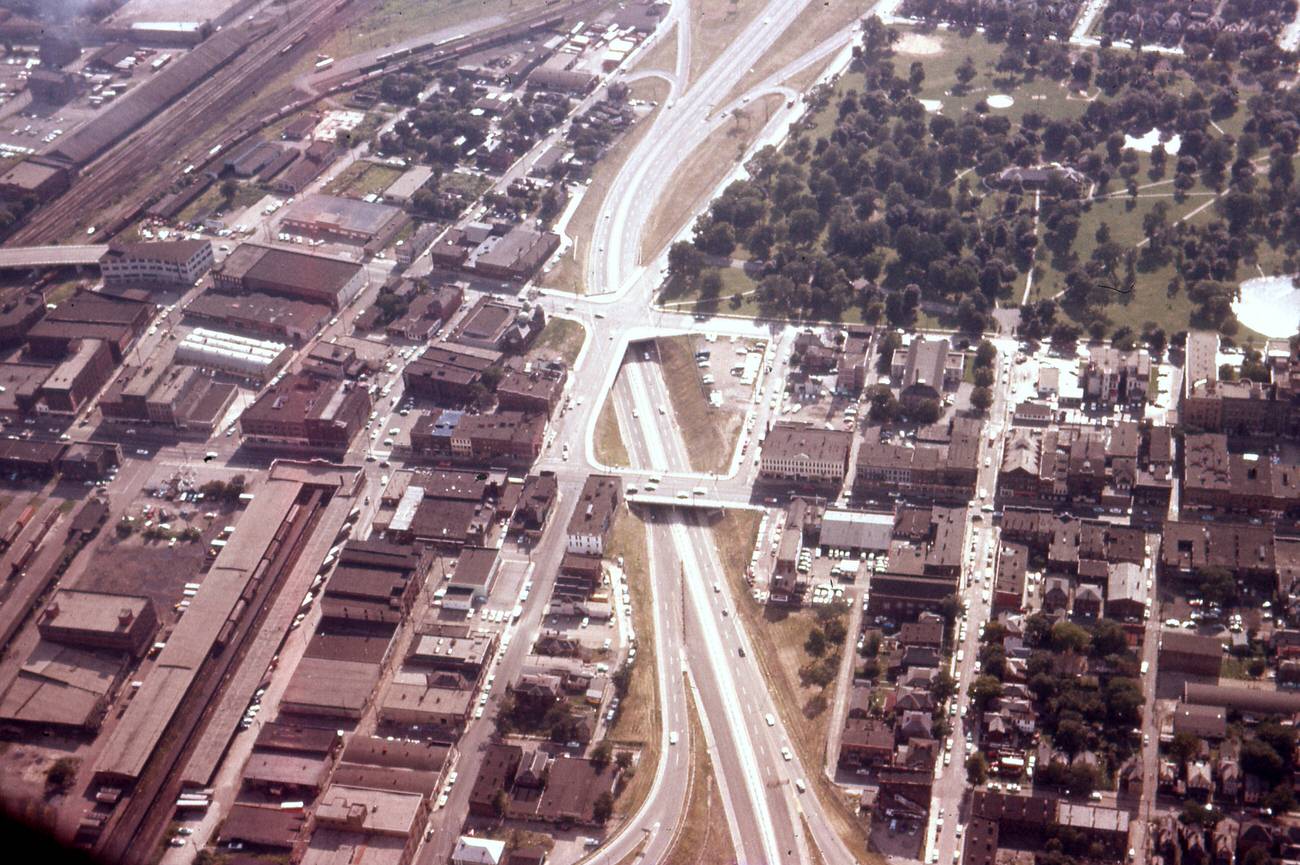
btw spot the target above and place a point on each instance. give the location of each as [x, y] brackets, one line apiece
[477, 851]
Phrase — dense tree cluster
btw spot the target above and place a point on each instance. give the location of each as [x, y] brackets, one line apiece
[443, 128]
[1025, 22]
[888, 211]
[1241, 27]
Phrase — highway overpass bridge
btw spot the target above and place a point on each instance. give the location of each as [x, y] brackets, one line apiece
[31, 257]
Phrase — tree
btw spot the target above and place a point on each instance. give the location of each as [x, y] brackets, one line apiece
[985, 355]
[981, 398]
[966, 72]
[684, 260]
[943, 686]
[977, 768]
[62, 774]
[603, 807]
[229, 187]
[815, 645]
[501, 803]
[984, 377]
[1184, 747]
[983, 690]
[601, 754]
[623, 760]
[1217, 584]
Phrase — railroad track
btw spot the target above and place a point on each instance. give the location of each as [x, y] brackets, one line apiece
[178, 129]
[115, 175]
[133, 836]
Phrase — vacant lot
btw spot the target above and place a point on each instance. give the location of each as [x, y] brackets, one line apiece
[638, 723]
[561, 340]
[363, 178]
[138, 567]
[709, 433]
[394, 21]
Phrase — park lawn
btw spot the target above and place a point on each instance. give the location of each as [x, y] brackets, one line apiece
[703, 835]
[639, 721]
[363, 178]
[708, 433]
[561, 339]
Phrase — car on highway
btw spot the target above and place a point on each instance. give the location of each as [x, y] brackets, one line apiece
[785, 754]
[771, 721]
[672, 738]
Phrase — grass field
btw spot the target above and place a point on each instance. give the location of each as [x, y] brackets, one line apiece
[704, 838]
[609, 446]
[778, 635]
[245, 195]
[714, 25]
[639, 722]
[561, 339]
[363, 178]
[709, 433]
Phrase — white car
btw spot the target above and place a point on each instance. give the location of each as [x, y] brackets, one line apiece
[672, 738]
[785, 754]
[771, 721]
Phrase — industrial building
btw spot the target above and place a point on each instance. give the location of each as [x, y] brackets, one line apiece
[98, 620]
[280, 318]
[343, 219]
[169, 262]
[288, 273]
[180, 397]
[79, 377]
[252, 358]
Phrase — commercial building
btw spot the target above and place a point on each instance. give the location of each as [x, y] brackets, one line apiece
[940, 471]
[449, 374]
[79, 377]
[1181, 652]
[532, 386]
[1216, 479]
[501, 438]
[22, 388]
[498, 325]
[98, 620]
[593, 518]
[35, 178]
[180, 397]
[1112, 376]
[347, 220]
[927, 368]
[89, 315]
[516, 255]
[252, 268]
[257, 359]
[61, 687]
[412, 180]
[166, 262]
[803, 455]
[374, 584]
[306, 412]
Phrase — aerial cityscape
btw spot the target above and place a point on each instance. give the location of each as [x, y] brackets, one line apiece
[650, 432]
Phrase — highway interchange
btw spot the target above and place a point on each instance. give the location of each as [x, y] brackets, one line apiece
[769, 819]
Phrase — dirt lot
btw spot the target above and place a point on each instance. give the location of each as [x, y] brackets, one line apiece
[138, 567]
